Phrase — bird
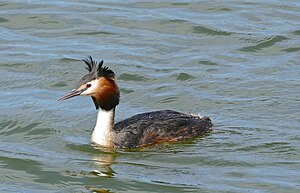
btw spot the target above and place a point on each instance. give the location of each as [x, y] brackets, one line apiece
[140, 130]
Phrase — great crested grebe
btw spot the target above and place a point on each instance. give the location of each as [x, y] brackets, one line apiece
[140, 130]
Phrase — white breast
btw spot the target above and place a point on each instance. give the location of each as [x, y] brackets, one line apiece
[103, 132]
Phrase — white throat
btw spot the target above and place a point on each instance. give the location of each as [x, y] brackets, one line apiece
[103, 133]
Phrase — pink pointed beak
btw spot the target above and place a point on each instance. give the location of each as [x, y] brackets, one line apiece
[71, 94]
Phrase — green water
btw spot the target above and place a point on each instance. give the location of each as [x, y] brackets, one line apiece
[235, 61]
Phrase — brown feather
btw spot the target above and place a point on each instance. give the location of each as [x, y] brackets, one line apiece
[159, 126]
[109, 95]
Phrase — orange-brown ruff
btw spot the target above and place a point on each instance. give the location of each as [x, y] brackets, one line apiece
[140, 130]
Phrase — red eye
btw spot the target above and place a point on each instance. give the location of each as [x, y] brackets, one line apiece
[88, 85]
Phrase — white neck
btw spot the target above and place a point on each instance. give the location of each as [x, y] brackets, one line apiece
[103, 133]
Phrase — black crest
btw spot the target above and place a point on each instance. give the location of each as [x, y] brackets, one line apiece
[97, 68]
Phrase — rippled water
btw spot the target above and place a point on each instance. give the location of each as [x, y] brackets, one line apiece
[235, 61]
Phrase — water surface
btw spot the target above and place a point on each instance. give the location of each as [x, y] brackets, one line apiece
[235, 61]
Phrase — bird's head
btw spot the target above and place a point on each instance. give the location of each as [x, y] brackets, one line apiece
[99, 83]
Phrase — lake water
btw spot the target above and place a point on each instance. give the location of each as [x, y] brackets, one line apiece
[235, 61]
